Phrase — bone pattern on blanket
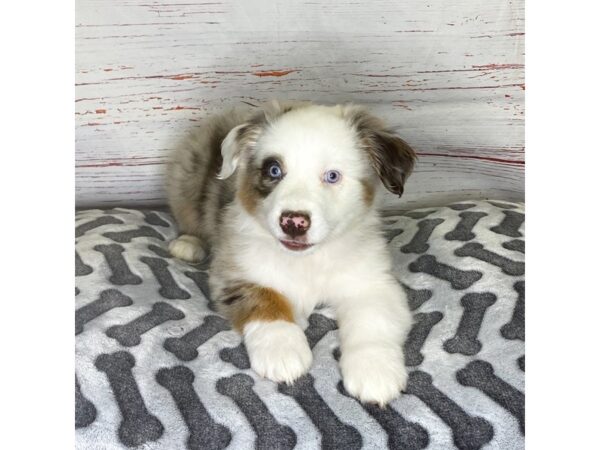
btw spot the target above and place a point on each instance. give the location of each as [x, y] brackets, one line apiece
[465, 340]
[185, 347]
[270, 433]
[401, 433]
[109, 299]
[85, 411]
[463, 230]
[319, 411]
[334, 433]
[469, 432]
[459, 279]
[515, 329]
[476, 250]
[126, 236]
[81, 268]
[130, 334]
[100, 221]
[138, 425]
[417, 336]
[419, 244]
[205, 433]
[510, 224]
[480, 374]
[121, 273]
[168, 286]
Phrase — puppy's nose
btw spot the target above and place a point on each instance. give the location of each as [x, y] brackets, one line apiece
[294, 223]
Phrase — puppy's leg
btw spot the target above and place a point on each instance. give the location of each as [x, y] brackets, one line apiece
[373, 326]
[277, 346]
[187, 247]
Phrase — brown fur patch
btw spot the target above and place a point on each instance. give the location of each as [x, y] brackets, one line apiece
[249, 302]
[368, 191]
[391, 157]
[247, 193]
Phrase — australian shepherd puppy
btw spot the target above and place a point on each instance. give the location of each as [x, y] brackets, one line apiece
[284, 197]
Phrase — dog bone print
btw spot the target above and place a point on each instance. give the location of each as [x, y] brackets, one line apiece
[138, 425]
[238, 356]
[81, 268]
[402, 434]
[476, 250]
[510, 224]
[104, 220]
[85, 411]
[502, 205]
[515, 329]
[185, 347]
[108, 300]
[121, 273]
[416, 297]
[130, 334]
[270, 434]
[459, 279]
[159, 251]
[418, 214]
[516, 244]
[168, 287]
[461, 206]
[418, 243]
[205, 433]
[480, 374]
[152, 218]
[126, 236]
[465, 340]
[417, 336]
[464, 229]
[318, 327]
[200, 279]
[390, 235]
[334, 433]
[468, 432]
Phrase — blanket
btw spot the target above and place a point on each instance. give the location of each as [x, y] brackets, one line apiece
[158, 368]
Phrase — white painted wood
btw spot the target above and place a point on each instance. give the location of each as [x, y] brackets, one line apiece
[447, 75]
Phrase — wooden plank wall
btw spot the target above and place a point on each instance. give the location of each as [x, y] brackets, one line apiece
[447, 75]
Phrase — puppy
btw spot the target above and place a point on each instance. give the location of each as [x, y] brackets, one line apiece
[286, 197]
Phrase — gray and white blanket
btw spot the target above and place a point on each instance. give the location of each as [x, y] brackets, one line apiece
[157, 368]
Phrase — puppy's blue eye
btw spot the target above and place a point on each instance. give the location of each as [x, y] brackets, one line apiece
[332, 176]
[274, 170]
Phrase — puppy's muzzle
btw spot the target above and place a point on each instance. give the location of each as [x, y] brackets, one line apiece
[294, 223]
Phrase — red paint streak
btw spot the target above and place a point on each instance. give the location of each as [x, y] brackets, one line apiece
[181, 77]
[116, 164]
[482, 158]
[507, 96]
[179, 108]
[273, 73]
[499, 66]
[107, 70]
[93, 124]
[100, 111]
[157, 107]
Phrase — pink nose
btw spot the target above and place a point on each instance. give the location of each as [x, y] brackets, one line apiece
[294, 223]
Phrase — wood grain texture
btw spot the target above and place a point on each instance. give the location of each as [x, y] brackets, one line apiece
[448, 76]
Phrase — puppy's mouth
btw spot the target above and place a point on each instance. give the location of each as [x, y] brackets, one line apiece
[296, 246]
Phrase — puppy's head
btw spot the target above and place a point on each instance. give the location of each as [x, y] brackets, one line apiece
[308, 172]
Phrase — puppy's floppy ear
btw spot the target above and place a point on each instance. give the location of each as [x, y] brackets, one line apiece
[391, 157]
[240, 139]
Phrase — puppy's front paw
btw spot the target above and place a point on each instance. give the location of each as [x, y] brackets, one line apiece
[188, 248]
[373, 374]
[278, 350]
